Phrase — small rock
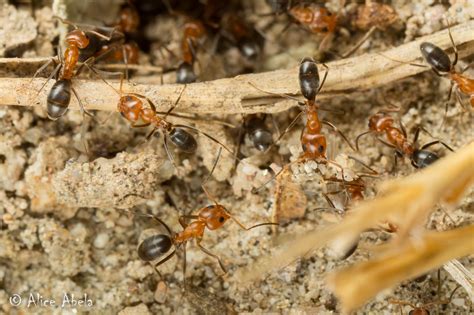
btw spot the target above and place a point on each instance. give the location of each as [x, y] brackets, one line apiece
[101, 240]
[161, 292]
[140, 309]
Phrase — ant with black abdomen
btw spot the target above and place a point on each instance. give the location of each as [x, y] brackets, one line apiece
[211, 217]
[382, 123]
[313, 141]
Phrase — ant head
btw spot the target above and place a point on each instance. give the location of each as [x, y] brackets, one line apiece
[183, 140]
[130, 107]
[436, 57]
[379, 121]
[59, 98]
[309, 78]
[77, 38]
[185, 73]
[215, 216]
[423, 158]
[154, 246]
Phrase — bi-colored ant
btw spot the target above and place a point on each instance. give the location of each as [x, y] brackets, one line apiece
[441, 65]
[313, 141]
[382, 123]
[78, 41]
[194, 32]
[211, 217]
[132, 108]
[247, 39]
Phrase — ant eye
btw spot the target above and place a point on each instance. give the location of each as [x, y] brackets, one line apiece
[321, 149]
[221, 219]
[325, 29]
[210, 207]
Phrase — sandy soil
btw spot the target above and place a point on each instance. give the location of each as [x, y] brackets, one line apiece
[67, 226]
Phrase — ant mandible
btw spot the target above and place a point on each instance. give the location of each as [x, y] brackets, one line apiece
[382, 123]
[211, 217]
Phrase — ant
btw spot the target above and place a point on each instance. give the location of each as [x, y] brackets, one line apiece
[382, 123]
[211, 217]
[313, 141]
[59, 96]
[132, 108]
[194, 32]
[441, 64]
[247, 39]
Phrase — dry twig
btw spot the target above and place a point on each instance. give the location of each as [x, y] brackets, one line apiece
[235, 95]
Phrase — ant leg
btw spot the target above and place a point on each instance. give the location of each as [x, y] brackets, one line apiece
[452, 42]
[400, 302]
[293, 122]
[373, 172]
[209, 196]
[155, 266]
[403, 62]
[360, 42]
[340, 133]
[360, 136]
[175, 103]
[386, 143]
[81, 105]
[279, 94]
[213, 166]
[402, 126]
[324, 78]
[436, 142]
[415, 137]
[168, 152]
[42, 68]
[206, 251]
[125, 61]
[184, 266]
[55, 72]
[253, 226]
[466, 68]
[446, 106]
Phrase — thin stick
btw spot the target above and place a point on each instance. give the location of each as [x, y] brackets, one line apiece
[235, 95]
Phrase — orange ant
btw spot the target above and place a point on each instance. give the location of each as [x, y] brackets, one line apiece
[313, 141]
[382, 123]
[59, 96]
[441, 64]
[211, 217]
[132, 108]
[194, 32]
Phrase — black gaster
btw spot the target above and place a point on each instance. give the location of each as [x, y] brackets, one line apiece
[258, 132]
[185, 73]
[436, 57]
[59, 98]
[154, 246]
[183, 140]
[424, 158]
[309, 78]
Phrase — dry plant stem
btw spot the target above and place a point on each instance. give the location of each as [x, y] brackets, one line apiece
[356, 284]
[235, 95]
[405, 202]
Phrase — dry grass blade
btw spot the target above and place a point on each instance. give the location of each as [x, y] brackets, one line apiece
[405, 202]
[357, 284]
